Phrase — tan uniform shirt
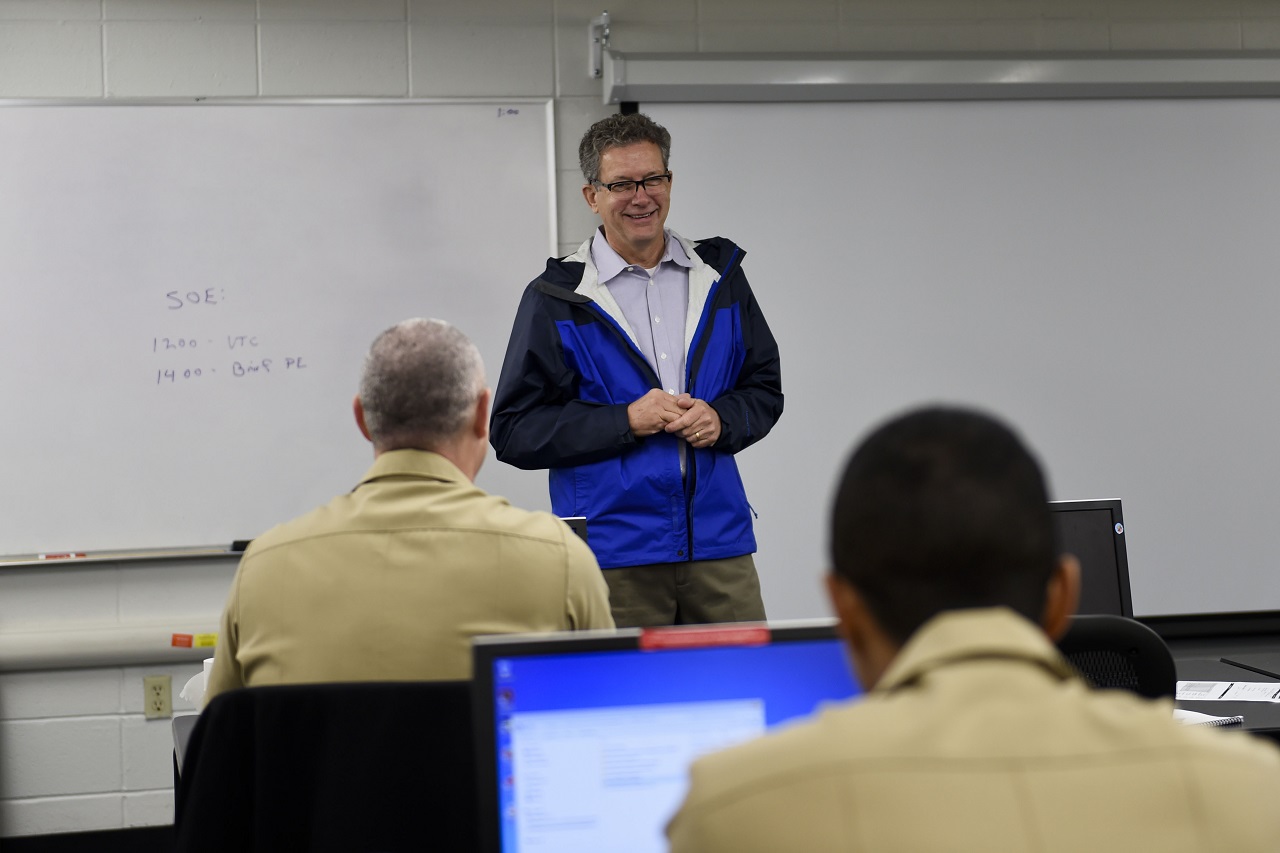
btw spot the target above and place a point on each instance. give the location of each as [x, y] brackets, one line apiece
[391, 582]
[979, 738]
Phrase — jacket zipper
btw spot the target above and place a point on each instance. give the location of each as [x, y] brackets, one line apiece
[691, 479]
[691, 470]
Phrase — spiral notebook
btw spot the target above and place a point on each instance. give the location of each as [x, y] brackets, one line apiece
[1195, 718]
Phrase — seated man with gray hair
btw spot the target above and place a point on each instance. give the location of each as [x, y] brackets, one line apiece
[392, 580]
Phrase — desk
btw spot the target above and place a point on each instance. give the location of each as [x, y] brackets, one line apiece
[183, 724]
[182, 727]
[1199, 643]
[1261, 718]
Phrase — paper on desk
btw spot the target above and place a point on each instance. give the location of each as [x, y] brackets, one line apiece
[195, 688]
[1229, 691]
[1195, 718]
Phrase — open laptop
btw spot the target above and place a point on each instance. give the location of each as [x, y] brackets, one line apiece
[1094, 532]
[585, 739]
[577, 523]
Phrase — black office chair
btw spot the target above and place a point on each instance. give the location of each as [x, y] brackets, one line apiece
[385, 767]
[1115, 652]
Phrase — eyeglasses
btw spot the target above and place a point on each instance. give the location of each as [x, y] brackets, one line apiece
[653, 185]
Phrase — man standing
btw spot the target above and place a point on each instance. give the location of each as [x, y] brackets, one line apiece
[975, 734]
[391, 581]
[637, 367]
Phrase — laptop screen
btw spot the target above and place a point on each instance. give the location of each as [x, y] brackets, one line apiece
[1094, 532]
[585, 739]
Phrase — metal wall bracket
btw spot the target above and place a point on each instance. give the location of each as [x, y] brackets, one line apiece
[597, 41]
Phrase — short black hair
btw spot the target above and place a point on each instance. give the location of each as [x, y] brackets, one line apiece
[943, 509]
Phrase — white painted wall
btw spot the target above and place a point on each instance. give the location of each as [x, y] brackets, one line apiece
[75, 752]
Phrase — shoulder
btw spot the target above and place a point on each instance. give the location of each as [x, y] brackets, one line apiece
[543, 544]
[1231, 777]
[535, 527]
[740, 797]
[1125, 736]
[558, 283]
[718, 252]
[566, 271]
[317, 522]
[1228, 753]
[784, 755]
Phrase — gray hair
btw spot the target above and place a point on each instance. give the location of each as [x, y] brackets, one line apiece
[420, 384]
[619, 130]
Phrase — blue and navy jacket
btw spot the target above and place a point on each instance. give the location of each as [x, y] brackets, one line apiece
[569, 374]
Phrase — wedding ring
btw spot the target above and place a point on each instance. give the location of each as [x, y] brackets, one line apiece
[697, 434]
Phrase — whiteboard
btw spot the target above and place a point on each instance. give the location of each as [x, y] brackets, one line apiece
[187, 292]
[1101, 273]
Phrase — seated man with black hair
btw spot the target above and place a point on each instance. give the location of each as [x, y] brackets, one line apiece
[975, 734]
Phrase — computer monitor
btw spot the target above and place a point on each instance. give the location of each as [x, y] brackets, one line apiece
[1094, 532]
[578, 524]
[586, 738]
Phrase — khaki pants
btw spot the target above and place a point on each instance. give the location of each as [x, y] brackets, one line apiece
[685, 593]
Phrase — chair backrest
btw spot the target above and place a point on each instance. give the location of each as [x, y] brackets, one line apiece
[385, 766]
[1116, 652]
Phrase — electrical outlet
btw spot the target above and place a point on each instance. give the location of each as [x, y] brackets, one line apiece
[157, 696]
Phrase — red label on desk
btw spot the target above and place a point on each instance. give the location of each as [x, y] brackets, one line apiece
[182, 641]
[698, 637]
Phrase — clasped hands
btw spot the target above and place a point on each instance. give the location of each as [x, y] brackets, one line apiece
[692, 419]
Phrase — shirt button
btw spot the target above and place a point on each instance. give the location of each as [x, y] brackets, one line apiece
[657, 319]
[664, 355]
[671, 390]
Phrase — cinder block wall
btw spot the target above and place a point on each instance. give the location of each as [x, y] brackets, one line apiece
[75, 751]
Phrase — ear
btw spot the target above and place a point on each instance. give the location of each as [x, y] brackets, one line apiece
[358, 408]
[591, 194]
[481, 424]
[846, 603]
[1062, 596]
[869, 647]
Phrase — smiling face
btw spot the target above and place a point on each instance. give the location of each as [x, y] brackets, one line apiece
[633, 222]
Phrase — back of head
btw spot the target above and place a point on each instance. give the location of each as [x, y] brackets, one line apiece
[942, 509]
[620, 130]
[420, 384]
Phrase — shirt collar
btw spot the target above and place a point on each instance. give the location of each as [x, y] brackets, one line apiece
[413, 463]
[609, 263]
[958, 635]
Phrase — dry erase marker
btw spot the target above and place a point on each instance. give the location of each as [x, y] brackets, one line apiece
[69, 556]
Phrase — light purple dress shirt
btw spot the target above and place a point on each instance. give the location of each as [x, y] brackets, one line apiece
[654, 304]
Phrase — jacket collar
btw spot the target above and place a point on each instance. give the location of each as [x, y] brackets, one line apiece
[676, 246]
[414, 463]
[962, 635]
[609, 263]
[593, 287]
